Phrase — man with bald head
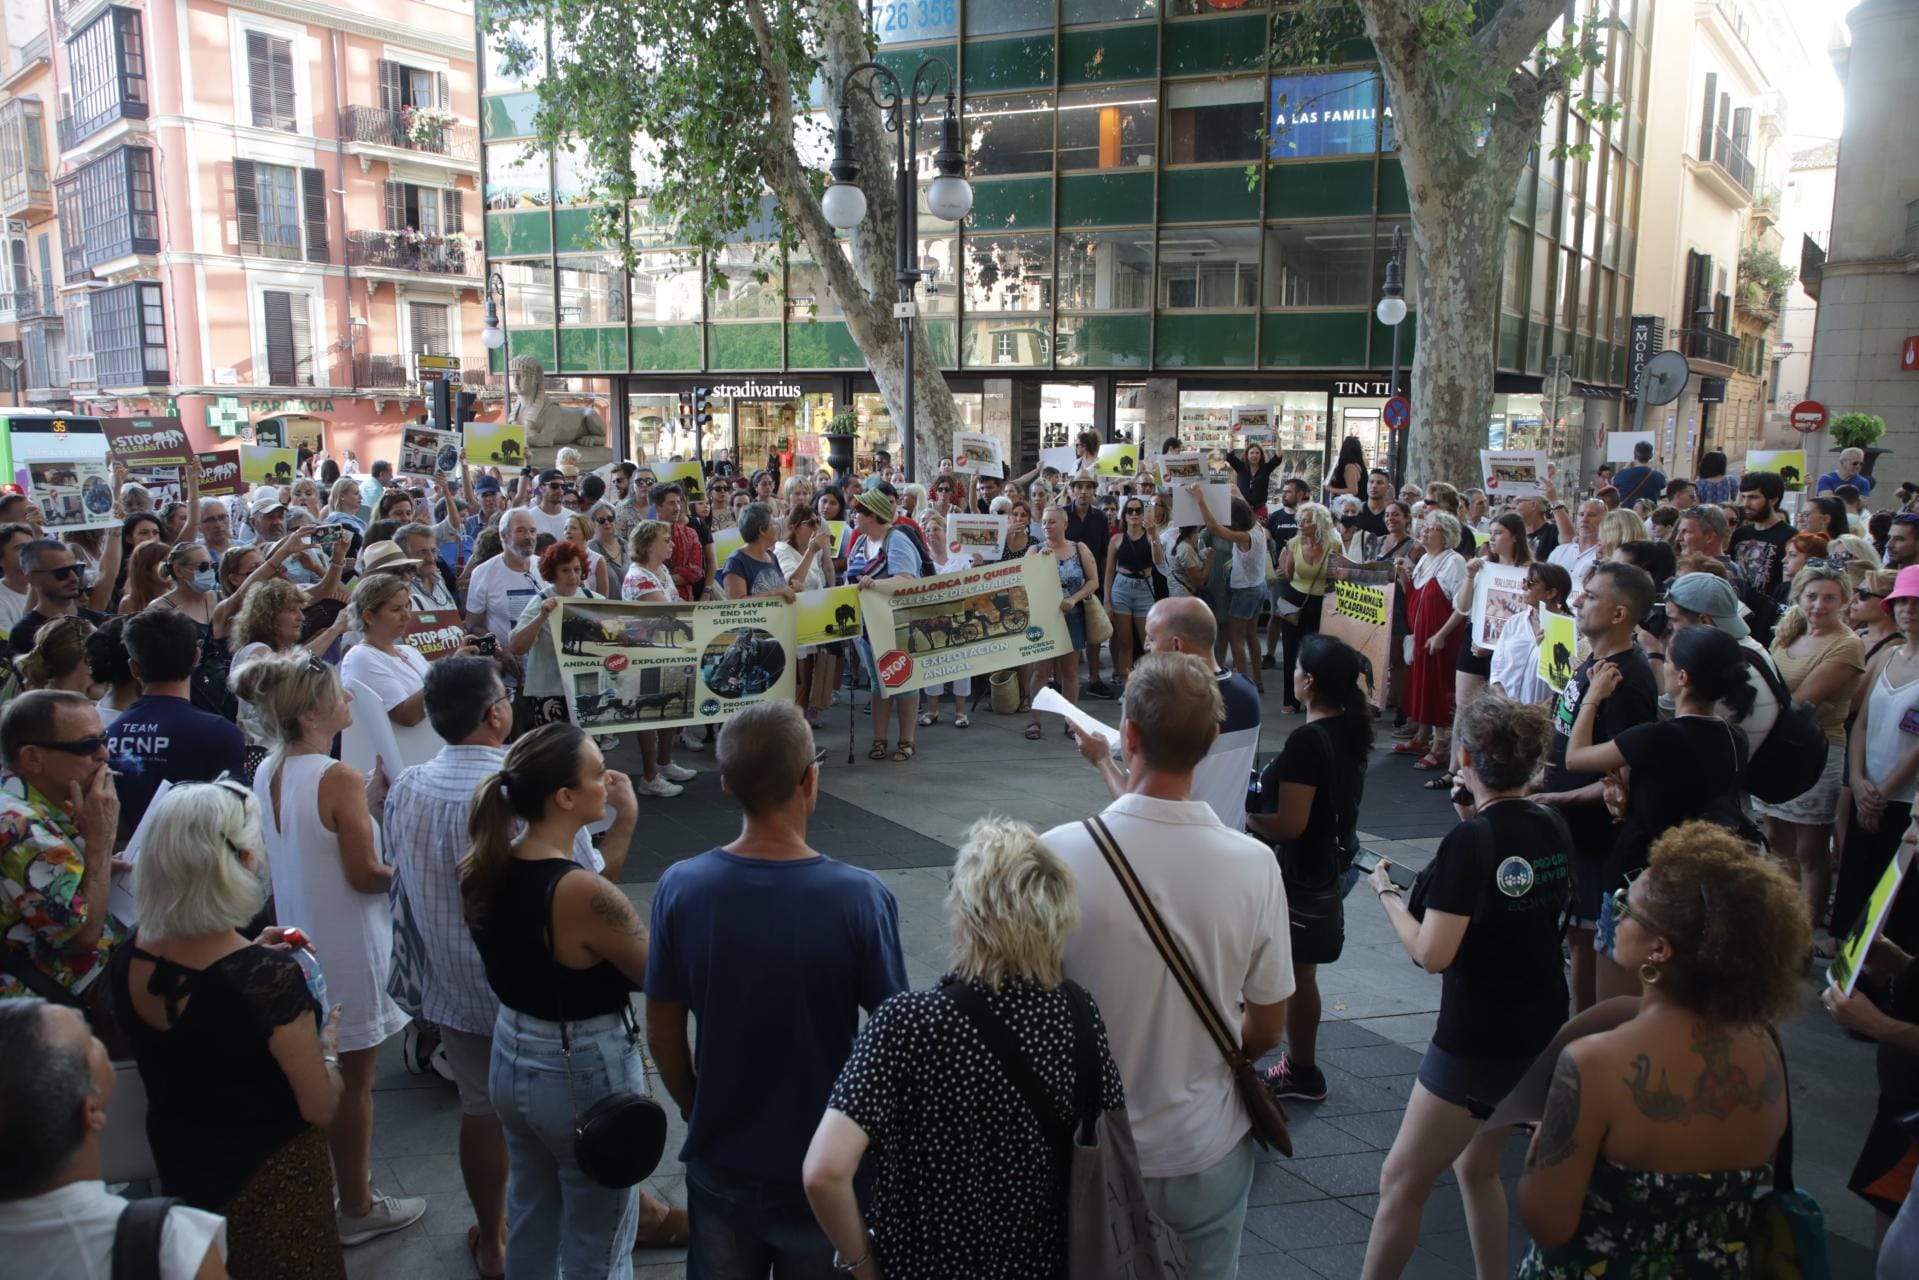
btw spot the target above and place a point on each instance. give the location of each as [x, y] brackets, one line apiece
[1184, 624]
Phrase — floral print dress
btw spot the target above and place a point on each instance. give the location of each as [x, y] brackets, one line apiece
[1637, 1225]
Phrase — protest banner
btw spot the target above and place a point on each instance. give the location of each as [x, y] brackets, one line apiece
[1499, 592]
[1558, 648]
[1218, 499]
[72, 493]
[629, 666]
[725, 543]
[426, 452]
[828, 615]
[976, 453]
[1062, 460]
[41, 438]
[1118, 459]
[1790, 464]
[1514, 473]
[220, 474]
[1362, 616]
[1619, 444]
[927, 631]
[1851, 958]
[265, 465]
[147, 442]
[495, 444]
[1178, 469]
[164, 483]
[436, 634]
[981, 536]
[687, 475]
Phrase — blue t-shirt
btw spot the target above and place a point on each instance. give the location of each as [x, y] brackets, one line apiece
[1832, 480]
[1639, 481]
[769, 953]
[762, 577]
[168, 740]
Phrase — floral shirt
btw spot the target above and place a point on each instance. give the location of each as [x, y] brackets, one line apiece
[41, 865]
[1639, 1225]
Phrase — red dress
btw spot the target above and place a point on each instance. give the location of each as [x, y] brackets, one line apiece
[1429, 686]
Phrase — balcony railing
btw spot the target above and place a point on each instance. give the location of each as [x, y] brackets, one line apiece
[75, 131]
[23, 305]
[405, 251]
[383, 128]
[391, 372]
[1716, 345]
[1731, 158]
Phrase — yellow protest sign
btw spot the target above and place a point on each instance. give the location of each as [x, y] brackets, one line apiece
[1362, 603]
[1118, 459]
[1790, 464]
[1558, 647]
[687, 475]
[267, 466]
[828, 615]
[495, 444]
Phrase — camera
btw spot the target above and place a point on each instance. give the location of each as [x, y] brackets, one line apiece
[1657, 621]
[487, 645]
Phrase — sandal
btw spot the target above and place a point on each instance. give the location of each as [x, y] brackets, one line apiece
[879, 750]
[903, 753]
[1429, 762]
[1441, 783]
[473, 1252]
[929, 717]
[961, 721]
[1412, 747]
[1033, 731]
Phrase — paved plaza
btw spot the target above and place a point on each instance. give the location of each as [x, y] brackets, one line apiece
[1310, 1214]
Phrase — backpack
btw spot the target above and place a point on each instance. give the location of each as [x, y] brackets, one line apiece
[1793, 755]
[927, 567]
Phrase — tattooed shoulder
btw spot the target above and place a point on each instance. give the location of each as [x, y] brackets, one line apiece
[1554, 1143]
[614, 910]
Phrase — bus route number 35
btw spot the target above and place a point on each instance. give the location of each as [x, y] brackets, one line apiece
[915, 19]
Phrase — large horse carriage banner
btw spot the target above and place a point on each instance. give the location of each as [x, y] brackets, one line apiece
[970, 622]
[629, 666]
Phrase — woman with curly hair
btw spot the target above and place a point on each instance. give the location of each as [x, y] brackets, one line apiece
[1657, 1135]
[563, 567]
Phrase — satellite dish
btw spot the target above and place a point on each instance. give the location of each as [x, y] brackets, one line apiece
[1663, 378]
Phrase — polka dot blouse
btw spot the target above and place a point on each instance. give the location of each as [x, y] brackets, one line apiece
[968, 1184]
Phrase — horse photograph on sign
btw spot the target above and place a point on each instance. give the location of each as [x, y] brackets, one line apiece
[627, 666]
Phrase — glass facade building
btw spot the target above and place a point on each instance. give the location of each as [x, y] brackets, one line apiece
[1161, 223]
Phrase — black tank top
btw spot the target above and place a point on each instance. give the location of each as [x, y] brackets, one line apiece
[1135, 554]
[512, 941]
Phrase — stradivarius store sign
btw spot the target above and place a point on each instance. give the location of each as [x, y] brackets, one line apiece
[756, 391]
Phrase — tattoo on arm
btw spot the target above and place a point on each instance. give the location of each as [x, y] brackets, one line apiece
[1554, 1144]
[615, 912]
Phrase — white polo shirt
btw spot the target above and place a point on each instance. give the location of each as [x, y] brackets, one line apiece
[1219, 893]
[68, 1231]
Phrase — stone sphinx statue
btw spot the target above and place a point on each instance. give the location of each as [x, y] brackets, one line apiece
[549, 423]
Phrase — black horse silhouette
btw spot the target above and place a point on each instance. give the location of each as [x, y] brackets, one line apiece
[1562, 665]
[844, 617]
[1789, 475]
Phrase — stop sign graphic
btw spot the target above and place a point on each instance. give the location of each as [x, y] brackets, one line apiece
[1808, 416]
[895, 668]
[616, 662]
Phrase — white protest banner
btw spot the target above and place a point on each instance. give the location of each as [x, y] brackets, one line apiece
[1514, 473]
[1499, 592]
[982, 536]
[426, 452]
[927, 631]
[1062, 460]
[629, 666]
[1619, 444]
[72, 493]
[1254, 422]
[1177, 469]
[976, 453]
[1188, 497]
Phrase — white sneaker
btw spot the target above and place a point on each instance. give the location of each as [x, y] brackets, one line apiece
[677, 773]
[657, 787]
[441, 1066]
[389, 1214]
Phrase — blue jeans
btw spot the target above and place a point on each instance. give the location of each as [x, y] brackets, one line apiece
[745, 1228]
[1207, 1211]
[557, 1218]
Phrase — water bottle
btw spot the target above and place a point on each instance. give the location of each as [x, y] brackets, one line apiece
[302, 953]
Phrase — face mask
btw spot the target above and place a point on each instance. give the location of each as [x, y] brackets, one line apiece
[205, 580]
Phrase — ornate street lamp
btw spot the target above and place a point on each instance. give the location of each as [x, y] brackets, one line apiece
[1391, 312]
[493, 334]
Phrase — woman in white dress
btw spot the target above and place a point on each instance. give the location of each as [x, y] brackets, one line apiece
[1515, 660]
[329, 881]
[395, 672]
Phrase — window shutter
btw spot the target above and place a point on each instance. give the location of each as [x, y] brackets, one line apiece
[395, 206]
[278, 309]
[46, 273]
[246, 202]
[301, 312]
[1707, 116]
[313, 191]
[428, 323]
[260, 78]
[390, 96]
[442, 97]
[453, 211]
[285, 106]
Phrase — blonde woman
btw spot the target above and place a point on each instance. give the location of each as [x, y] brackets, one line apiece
[270, 623]
[147, 578]
[1307, 565]
[344, 506]
[393, 671]
[1618, 527]
[58, 659]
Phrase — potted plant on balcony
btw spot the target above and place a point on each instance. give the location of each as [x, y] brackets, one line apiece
[840, 432]
[425, 127]
[1860, 431]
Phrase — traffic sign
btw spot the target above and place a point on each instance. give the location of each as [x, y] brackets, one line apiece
[895, 668]
[1397, 412]
[1808, 416]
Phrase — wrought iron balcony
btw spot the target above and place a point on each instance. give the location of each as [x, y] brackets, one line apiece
[21, 305]
[420, 131]
[1714, 345]
[454, 255]
[395, 373]
[1731, 160]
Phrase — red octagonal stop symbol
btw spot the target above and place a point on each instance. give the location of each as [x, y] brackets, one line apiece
[616, 662]
[895, 668]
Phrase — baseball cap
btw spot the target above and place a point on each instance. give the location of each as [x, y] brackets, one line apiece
[486, 484]
[550, 474]
[266, 502]
[1709, 594]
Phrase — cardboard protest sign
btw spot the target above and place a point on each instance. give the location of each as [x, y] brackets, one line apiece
[1253, 422]
[436, 634]
[1179, 469]
[1187, 498]
[976, 453]
[495, 444]
[1558, 648]
[1118, 459]
[72, 493]
[220, 474]
[969, 622]
[687, 475]
[828, 615]
[1362, 616]
[1499, 592]
[1514, 473]
[147, 442]
[267, 465]
[1844, 971]
[1061, 459]
[48, 439]
[980, 536]
[1789, 463]
[426, 452]
[628, 666]
[725, 543]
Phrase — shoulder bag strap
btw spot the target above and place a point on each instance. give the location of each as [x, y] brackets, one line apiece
[1782, 1158]
[30, 976]
[1223, 1038]
[1088, 1075]
[138, 1236]
[1000, 1043]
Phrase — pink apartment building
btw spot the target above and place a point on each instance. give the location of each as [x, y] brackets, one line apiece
[224, 213]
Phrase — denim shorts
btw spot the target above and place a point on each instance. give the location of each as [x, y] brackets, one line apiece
[1477, 1084]
[1132, 597]
[1243, 602]
[1608, 926]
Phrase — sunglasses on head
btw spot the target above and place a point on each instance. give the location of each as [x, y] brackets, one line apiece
[75, 747]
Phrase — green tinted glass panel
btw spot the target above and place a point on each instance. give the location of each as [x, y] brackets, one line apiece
[1313, 338]
[594, 349]
[1203, 341]
[1223, 44]
[1104, 341]
[573, 228]
[666, 346]
[743, 346]
[1383, 342]
[1105, 199]
[1108, 53]
[1524, 197]
[903, 62]
[1023, 62]
[537, 343]
[1392, 188]
[1016, 203]
[824, 344]
[1319, 190]
[496, 360]
[512, 235]
[508, 115]
[1206, 195]
[936, 340]
[1512, 336]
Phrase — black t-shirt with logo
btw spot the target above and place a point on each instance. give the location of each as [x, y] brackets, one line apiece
[1509, 871]
[1635, 701]
[1761, 553]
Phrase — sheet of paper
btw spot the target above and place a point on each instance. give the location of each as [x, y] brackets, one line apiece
[1217, 497]
[1619, 444]
[1060, 459]
[1050, 700]
[132, 851]
[120, 896]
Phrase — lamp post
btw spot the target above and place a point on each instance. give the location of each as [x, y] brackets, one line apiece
[493, 334]
[948, 197]
[1391, 311]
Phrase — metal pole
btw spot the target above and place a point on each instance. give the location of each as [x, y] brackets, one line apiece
[1399, 445]
[907, 269]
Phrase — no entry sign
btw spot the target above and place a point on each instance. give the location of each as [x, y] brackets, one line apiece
[1808, 416]
[1396, 413]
